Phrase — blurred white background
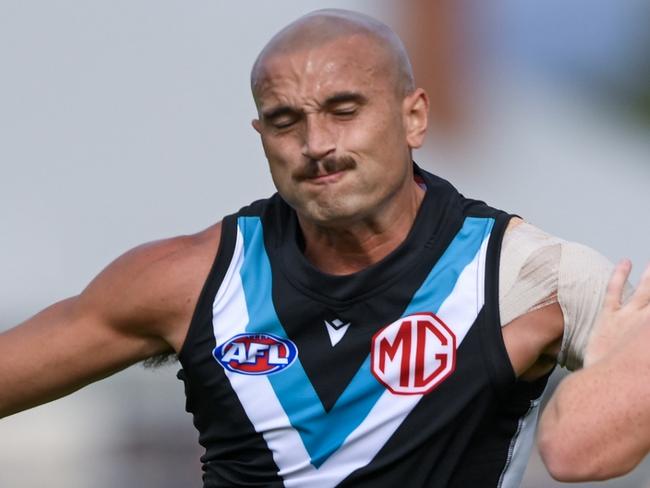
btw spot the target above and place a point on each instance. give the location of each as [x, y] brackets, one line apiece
[126, 121]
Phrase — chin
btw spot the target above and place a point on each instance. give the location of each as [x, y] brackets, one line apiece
[334, 215]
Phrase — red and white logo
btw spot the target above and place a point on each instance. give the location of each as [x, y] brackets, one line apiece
[414, 354]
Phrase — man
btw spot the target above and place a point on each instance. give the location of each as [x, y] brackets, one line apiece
[597, 424]
[348, 331]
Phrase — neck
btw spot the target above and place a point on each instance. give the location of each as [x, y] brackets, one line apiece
[341, 250]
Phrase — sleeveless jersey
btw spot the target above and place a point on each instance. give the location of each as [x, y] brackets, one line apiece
[393, 376]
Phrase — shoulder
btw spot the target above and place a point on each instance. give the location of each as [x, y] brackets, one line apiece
[533, 254]
[153, 289]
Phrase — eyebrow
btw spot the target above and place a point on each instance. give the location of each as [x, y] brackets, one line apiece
[336, 99]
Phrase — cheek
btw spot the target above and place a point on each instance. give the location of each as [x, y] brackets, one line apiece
[284, 147]
[376, 141]
[277, 153]
[380, 127]
[282, 161]
[271, 149]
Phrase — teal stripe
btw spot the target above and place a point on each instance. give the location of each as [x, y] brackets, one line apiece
[324, 432]
[444, 275]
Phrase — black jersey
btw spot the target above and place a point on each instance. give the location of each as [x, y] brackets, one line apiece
[393, 376]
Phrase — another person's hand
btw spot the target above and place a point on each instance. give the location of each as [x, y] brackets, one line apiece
[619, 323]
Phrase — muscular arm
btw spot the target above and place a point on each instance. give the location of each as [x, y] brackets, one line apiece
[597, 423]
[138, 307]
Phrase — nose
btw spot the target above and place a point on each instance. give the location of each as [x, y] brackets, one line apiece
[319, 139]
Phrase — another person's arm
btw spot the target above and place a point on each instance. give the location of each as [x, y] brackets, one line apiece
[138, 307]
[597, 423]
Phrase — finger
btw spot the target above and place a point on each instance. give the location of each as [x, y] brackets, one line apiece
[641, 296]
[616, 284]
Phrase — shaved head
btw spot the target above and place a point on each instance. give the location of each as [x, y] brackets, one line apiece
[323, 27]
[338, 116]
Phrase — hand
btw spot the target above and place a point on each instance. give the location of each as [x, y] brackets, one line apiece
[617, 323]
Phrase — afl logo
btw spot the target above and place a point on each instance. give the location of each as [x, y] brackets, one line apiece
[256, 354]
[414, 354]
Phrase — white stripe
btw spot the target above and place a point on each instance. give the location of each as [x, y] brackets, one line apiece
[255, 392]
[462, 306]
[223, 300]
[520, 447]
[363, 443]
[269, 418]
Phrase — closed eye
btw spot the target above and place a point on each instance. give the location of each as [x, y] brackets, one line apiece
[345, 111]
[283, 122]
[281, 117]
[345, 104]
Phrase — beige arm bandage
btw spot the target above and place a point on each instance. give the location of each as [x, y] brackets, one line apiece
[538, 269]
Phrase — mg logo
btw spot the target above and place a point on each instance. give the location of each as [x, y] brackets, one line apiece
[414, 354]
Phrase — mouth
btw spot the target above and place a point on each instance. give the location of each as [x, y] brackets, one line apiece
[327, 178]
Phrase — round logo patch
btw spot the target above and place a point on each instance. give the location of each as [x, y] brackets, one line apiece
[256, 354]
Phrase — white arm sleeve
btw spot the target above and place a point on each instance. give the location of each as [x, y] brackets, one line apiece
[538, 269]
[582, 283]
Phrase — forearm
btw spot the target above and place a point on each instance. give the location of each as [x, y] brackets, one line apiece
[597, 423]
[58, 351]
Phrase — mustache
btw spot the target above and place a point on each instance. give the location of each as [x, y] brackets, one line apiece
[320, 167]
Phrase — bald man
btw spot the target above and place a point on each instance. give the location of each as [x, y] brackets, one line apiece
[365, 326]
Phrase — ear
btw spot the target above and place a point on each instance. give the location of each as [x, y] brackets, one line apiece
[416, 117]
[257, 125]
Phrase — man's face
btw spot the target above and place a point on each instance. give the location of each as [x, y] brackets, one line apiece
[333, 129]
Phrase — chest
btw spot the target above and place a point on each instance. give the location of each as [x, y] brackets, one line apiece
[329, 376]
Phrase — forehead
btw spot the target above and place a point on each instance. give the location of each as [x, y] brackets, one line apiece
[314, 73]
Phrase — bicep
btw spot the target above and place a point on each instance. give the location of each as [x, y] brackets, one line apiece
[138, 307]
[61, 349]
[82, 339]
